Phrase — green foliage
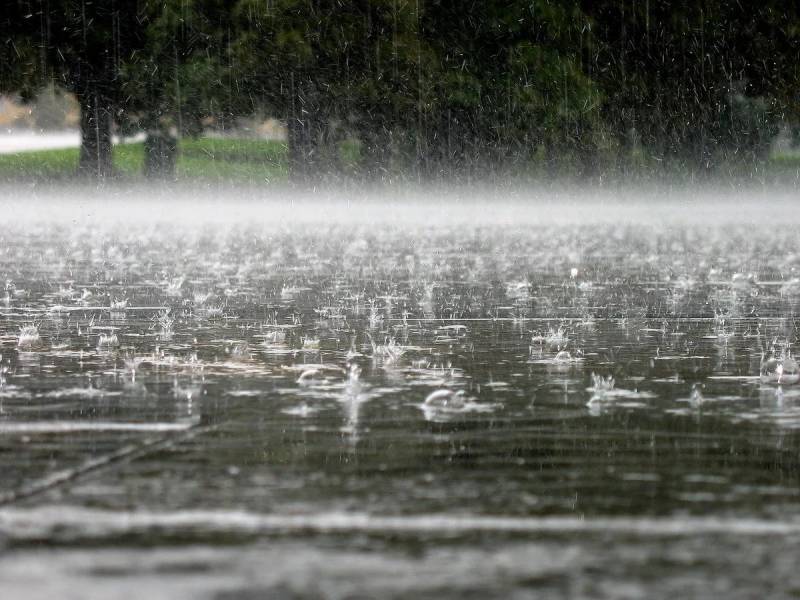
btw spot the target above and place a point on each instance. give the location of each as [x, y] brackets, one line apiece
[696, 83]
[432, 87]
[175, 80]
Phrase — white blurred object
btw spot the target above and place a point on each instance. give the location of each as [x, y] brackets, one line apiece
[25, 140]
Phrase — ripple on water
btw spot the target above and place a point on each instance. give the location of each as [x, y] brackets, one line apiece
[474, 349]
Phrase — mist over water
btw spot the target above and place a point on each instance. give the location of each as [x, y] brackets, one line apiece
[450, 391]
[183, 205]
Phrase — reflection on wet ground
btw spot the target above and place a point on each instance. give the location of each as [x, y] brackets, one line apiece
[595, 411]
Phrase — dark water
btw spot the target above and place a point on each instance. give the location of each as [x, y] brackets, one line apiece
[250, 410]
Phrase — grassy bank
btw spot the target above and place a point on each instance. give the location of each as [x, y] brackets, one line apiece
[247, 161]
[262, 161]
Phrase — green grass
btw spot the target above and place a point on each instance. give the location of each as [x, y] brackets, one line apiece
[41, 164]
[253, 161]
[232, 159]
[204, 159]
[785, 164]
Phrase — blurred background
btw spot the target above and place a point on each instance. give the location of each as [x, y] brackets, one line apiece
[399, 90]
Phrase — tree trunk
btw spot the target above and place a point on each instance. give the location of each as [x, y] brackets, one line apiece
[160, 154]
[304, 159]
[96, 148]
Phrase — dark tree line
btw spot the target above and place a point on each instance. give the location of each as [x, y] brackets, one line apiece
[698, 83]
[81, 46]
[423, 88]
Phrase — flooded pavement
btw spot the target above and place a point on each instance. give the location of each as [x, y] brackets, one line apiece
[252, 409]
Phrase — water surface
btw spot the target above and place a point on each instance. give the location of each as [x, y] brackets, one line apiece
[330, 407]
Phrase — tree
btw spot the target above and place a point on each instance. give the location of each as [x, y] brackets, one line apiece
[178, 78]
[22, 64]
[698, 83]
[435, 86]
[509, 86]
[80, 45]
[331, 69]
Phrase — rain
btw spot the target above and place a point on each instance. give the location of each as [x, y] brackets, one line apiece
[399, 299]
